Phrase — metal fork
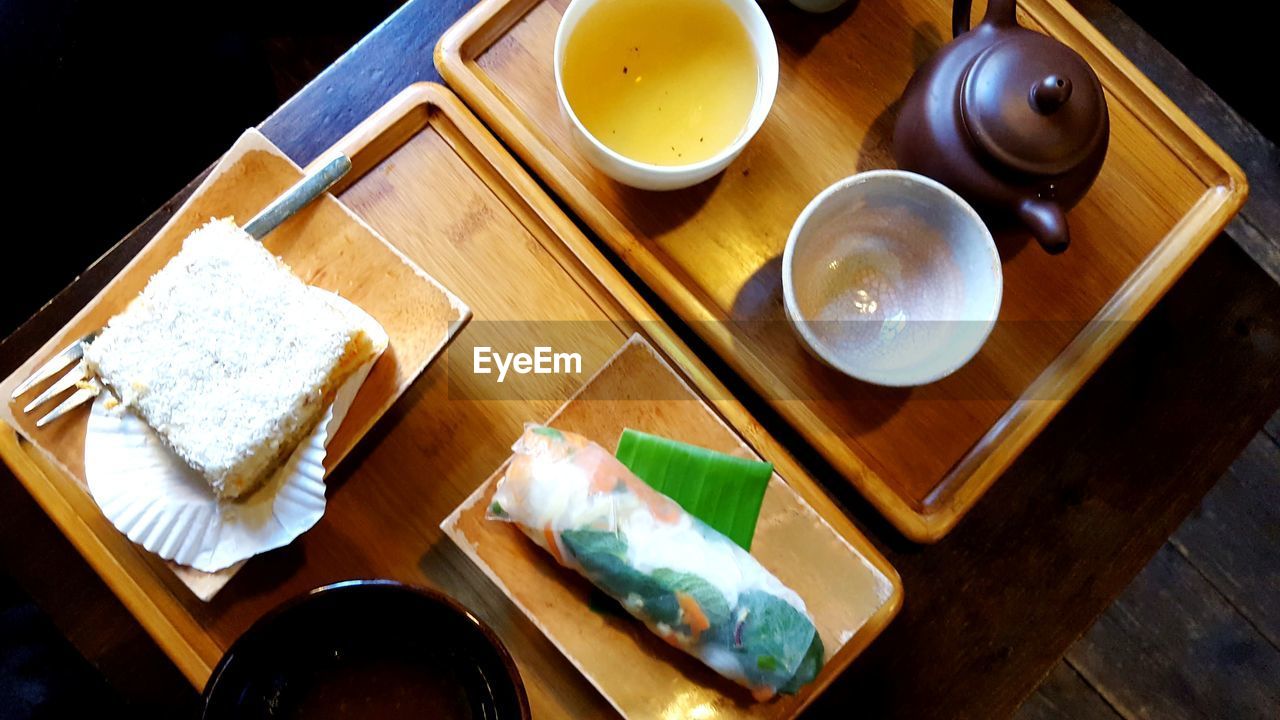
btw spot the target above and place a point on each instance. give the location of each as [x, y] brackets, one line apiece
[87, 387]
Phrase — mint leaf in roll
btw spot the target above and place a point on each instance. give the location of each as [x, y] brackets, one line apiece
[773, 638]
[603, 557]
[809, 667]
[594, 545]
[709, 602]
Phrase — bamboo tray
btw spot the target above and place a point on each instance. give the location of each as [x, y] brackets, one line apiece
[327, 246]
[428, 175]
[923, 457]
[641, 676]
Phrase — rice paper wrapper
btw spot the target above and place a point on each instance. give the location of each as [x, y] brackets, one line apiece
[689, 584]
[158, 501]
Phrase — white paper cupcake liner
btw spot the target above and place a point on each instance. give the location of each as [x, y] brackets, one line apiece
[158, 501]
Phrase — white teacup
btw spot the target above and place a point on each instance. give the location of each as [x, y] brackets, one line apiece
[892, 278]
[647, 176]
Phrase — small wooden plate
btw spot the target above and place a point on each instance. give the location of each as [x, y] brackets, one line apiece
[922, 456]
[850, 597]
[326, 245]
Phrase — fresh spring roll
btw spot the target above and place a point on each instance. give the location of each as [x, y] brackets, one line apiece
[689, 584]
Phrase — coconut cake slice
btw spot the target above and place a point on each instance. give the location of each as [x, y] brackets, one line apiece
[229, 357]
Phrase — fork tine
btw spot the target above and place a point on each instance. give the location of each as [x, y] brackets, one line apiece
[86, 393]
[65, 357]
[64, 383]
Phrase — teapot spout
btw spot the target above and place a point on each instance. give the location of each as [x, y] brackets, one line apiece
[1047, 222]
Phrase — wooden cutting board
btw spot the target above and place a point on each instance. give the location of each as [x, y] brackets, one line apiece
[923, 456]
[327, 246]
[432, 180]
[640, 675]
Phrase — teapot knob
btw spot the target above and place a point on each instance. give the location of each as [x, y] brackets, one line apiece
[1050, 94]
[1047, 222]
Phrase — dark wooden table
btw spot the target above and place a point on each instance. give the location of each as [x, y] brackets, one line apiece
[992, 607]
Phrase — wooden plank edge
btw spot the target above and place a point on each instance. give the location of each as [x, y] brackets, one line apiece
[1062, 694]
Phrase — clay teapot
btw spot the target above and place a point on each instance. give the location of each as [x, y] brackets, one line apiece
[1012, 120]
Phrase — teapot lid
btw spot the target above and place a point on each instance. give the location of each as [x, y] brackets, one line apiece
[1033, 104]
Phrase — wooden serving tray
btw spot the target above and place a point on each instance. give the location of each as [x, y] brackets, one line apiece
[326, 245]
[923, 456]
[429, 176]
[640, 675]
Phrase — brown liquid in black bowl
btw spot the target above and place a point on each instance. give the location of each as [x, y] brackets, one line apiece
[385, 688]
[366, 650]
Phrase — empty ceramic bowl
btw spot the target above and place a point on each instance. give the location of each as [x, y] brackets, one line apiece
[891, 278]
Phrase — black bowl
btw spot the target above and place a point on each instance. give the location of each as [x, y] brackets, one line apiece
[367, 649]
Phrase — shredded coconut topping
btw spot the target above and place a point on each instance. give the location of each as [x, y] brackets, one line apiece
[227, 355]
